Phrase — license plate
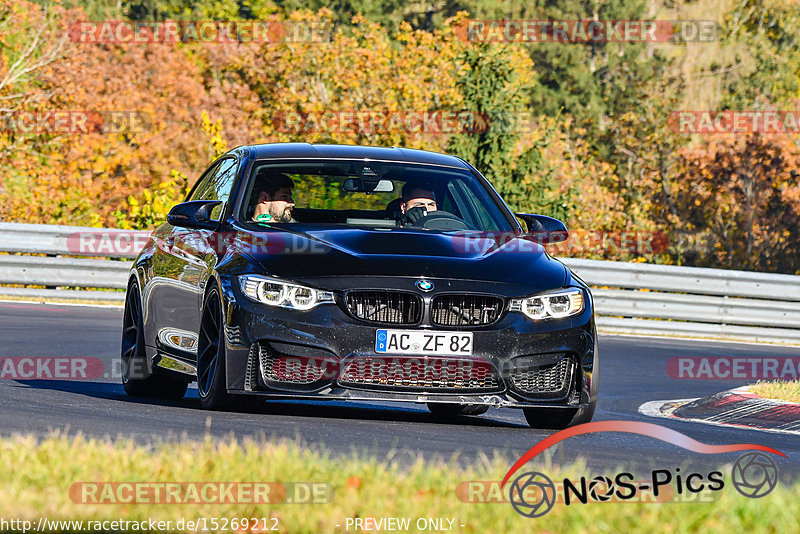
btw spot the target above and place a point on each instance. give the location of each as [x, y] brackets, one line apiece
[422, 342]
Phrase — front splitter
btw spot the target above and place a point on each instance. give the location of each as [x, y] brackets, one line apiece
[339, 394]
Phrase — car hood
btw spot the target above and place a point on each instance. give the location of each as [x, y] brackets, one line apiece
[499, 258]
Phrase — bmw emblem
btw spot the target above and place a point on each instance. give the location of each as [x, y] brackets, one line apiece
[424, 285]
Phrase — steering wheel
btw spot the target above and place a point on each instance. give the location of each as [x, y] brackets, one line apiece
[441, 220]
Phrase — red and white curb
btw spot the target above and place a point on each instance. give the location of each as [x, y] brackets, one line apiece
[737, 408]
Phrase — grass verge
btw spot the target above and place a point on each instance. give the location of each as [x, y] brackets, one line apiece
[36, 477]
[55, 300]
[785, 390]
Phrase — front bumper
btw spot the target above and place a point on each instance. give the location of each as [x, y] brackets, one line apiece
[513, 345]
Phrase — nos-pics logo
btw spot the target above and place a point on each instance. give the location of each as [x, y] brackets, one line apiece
[533, 494]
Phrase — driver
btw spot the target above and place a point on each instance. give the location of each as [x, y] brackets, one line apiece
[417, 203]
[274, 203]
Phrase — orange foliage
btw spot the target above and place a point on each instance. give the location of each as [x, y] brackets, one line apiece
[156, 92]
[737, 196]
[740, 196]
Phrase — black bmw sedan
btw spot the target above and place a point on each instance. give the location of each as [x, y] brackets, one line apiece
[298, 271]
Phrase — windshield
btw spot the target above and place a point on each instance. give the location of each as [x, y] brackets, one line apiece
[369, 193]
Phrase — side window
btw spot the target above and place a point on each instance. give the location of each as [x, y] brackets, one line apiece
[473, 207]
[218, 186]
[483, 214]
[202, 183]
[449, 206]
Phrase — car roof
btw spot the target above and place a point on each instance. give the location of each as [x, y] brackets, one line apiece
[396, 154]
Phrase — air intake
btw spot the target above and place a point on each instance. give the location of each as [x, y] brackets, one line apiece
[384, 307]
[465, 310]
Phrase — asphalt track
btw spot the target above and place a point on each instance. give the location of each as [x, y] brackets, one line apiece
[632, 371]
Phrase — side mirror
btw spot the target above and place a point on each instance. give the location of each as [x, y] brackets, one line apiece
[545, 229]
[194, 214]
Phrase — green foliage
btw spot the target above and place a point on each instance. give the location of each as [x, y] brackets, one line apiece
[94, 9]
[487, 84]
[534, 187]
[767, 73]
[492, 86]
[214, 132]
[149, 10]
[152, 208]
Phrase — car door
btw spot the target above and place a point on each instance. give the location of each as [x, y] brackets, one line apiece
[203, 247]
[180, 267]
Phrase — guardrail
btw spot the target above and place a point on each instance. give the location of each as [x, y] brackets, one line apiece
[629, 298]
[56, 272]
[638, 298]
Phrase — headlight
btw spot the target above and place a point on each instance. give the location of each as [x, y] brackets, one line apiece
[550, 305]
[282, 294]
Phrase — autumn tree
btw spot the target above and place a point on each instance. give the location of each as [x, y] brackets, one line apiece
[31, 39]
[739, 203]
[147, 99]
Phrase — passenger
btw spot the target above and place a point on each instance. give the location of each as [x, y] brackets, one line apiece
[274, 203]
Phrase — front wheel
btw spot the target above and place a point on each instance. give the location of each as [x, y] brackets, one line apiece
[136, 380]
[211, 356]
[559, 418]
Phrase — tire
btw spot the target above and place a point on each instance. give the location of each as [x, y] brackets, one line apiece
[558, 418]
[211, 383]
[452, 410]
[136, 381]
